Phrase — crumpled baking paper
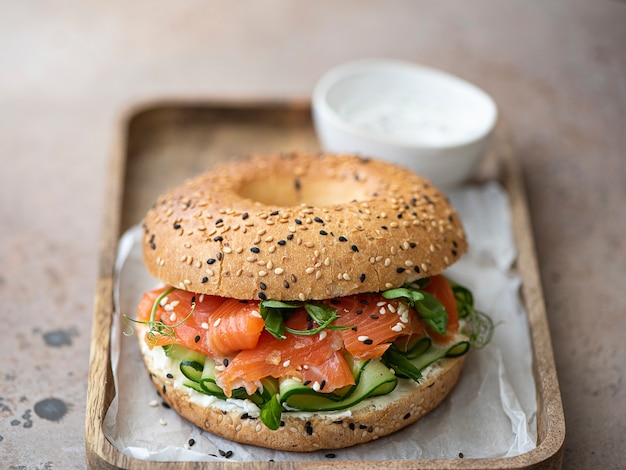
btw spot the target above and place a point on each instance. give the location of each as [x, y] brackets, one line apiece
[490, 414]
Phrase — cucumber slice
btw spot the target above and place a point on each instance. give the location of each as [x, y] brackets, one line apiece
[435, 353]
[375, 379]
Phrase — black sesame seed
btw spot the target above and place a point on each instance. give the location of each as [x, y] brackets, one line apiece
[352, 426]
[335, 301]
[204, 279]
[362, 426]
[165, 405]
[339, 421]
[193, 299]
[330, 456]
[296, 184]
[151, 238]
[176, 226]
[342, 239]
[460, 455]
[364, 302]
[282, 242]
[359, 312]
[319, 220]
[368, 342]
[245, 416]
[362, 277]
[219, 221]
[169, 376]
[244, 216]
[308, 428]
[274, 213]
[322, 384]
[417, 269]
[323, 232]
[262, 285]
[153, 246]
[454, 252]
[370, 429]
[262, 296]
[191, 442]
[225, 362]
[399, 216]
[399, 270]
[196, 339]
[255, 249]
[407, 416]
[219, 256]
[294, 278]
[384, 227]
[285, 284]
[355, 248]
[290, 236]
[298, 221]
[218, 239]
[374, 317]
[412, 244]
[455, 244]
[210, 261]
[354, 328]
[306, 382]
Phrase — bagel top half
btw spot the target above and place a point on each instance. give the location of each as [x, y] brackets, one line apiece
[301, 227]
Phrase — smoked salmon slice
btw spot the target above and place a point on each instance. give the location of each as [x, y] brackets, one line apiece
[217, 327]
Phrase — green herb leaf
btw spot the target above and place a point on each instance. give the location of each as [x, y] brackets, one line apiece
[433, 313]
[406, 293]
[271, 412]
[402, 367]
[273, 319]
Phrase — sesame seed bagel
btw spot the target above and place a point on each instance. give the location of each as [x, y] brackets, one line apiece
[301, 227]
[306, 432]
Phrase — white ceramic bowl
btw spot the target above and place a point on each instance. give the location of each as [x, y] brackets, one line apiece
[426, 120]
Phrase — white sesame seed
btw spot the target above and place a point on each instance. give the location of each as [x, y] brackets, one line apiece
[255, 313]
[173, 317]
[408, 263]
[301, 296]
[389, 285]
[316, 386]
[286, 363]
[279, 271]
[262, 273]
[162, 422]
[187, 282]
[269, 264]
[217, 322]
[220, 367]
[363, 338]
[382, 311]
[153, 403]
[227, 249]
[346, 277]
[168, 308]
[387, 262]
[397, 327]
[201, 298]
[309, 270]
[323, 334]
[380, 304]
[205, 325]
[391, 308]
[174, 303]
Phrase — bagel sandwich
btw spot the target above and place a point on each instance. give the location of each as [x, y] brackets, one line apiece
[303, 305]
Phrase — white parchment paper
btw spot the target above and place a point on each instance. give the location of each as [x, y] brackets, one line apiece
[490, 414]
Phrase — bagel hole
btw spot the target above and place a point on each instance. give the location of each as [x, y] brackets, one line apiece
[287, 192]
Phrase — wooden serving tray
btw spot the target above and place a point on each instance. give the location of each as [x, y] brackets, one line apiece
[162, 144]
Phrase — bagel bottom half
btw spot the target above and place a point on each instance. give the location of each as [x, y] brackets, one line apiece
[306, 432]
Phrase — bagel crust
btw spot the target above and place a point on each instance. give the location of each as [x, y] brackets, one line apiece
[308, 432]
[301, 227]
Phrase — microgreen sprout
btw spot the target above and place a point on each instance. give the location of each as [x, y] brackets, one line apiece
[159, 334]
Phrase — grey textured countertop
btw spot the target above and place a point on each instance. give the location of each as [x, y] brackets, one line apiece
[70, 69]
